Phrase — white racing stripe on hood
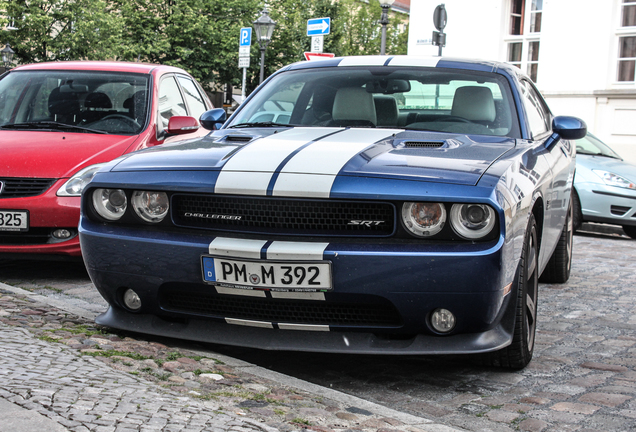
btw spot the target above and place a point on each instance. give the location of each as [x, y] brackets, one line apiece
[239, 248]
[312, 171]
[250, 170]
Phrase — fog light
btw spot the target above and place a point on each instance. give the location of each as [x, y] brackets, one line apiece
[443, 320]
[62, 234]
[132, 300]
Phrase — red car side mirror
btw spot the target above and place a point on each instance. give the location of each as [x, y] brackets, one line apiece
[179, 125]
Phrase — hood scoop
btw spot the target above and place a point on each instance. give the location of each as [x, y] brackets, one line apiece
[423, 144]
[240, 138]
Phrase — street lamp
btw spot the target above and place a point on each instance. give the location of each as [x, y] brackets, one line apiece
[7, 56]
[264, 27]
[384, 20]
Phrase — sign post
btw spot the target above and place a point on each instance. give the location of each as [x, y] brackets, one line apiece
[317, 28]
[439, 19]
[245, 42]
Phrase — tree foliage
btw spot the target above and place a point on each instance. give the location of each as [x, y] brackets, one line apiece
[200, 36]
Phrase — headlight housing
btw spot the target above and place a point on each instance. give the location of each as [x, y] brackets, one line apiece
[150, 206]
[423, 219]
[615, 180]
[76, 184]
[110, 204]
[472, 221]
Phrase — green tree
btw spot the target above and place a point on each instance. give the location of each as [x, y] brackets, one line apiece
[61, 29]
[200, 36]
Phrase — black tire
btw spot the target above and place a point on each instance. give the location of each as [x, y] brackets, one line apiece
[577, 214]
[518, 354]
[558, 268]
[630, 230]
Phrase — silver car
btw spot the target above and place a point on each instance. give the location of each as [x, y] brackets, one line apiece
[605, 186]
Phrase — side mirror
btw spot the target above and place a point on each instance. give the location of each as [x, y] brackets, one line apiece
[213, 119]
[179, 125]
[569, 128]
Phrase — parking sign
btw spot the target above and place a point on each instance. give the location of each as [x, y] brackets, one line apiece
[246, 36]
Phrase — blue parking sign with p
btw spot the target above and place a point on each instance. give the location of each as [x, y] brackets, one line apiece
[246, 36]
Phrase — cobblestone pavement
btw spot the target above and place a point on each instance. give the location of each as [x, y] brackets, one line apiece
[85, 378]
[583, 376]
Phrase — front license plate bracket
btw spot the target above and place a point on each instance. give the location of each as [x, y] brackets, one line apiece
[270, 275]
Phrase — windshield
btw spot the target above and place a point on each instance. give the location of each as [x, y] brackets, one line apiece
[590, 145]
[114, 103]
[385, 97]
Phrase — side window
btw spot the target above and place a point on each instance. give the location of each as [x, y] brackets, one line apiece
[193, 97]
[538, 114]
[170, 102]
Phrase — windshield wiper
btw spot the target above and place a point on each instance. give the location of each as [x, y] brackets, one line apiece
[260, 124]
[50, 125]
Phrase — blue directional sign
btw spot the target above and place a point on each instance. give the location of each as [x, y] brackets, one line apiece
[246, 36]
[318, 26]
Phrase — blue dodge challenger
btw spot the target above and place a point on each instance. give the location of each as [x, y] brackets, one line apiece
[382, 204]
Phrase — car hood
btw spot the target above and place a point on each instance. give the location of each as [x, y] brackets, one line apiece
[56, 154]
[616, 166]
[395, 153]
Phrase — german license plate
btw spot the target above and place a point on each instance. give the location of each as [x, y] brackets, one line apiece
[267, 275]
[14, 220]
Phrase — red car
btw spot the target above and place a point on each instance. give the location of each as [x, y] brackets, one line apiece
[60, 121]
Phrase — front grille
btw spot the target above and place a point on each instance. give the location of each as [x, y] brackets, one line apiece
[378, 314]
[24, 187]
[284, 216]
[35, 236]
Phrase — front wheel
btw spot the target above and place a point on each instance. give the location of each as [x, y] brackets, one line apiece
[518, 354]
[630, 230]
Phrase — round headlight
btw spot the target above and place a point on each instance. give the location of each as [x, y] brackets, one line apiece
[110, 203]
[472, 221]
[150, 206]
[423, 219]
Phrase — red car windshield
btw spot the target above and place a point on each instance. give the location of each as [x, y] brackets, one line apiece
[113, 103]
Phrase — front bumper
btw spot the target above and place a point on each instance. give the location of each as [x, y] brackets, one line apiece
[467, 279]
[47, 212]
[607, 204]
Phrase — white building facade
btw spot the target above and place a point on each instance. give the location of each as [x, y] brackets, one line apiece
[580, 53]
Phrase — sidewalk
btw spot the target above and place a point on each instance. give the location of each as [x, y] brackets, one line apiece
[59, 372]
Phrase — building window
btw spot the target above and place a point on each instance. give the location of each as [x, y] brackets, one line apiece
[523, 41]
[516, 17]
[533, 60]
[627, 42]
[535, 16]
[514, 53]
[629, 13]
[626, 58]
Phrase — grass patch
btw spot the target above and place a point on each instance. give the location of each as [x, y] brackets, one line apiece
[111, 353]
[301, 421]
[47, 338]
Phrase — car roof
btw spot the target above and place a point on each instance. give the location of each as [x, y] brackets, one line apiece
[409, 61]
[111, 66]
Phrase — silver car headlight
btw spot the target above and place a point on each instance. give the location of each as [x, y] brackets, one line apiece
[76, 184]
[110, 203]
[472, 221]
[615, 180]
[423, 219]
[150, 206]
